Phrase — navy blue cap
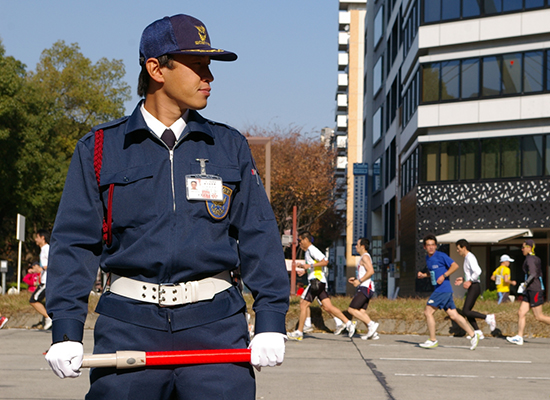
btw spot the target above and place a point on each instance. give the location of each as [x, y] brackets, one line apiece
[179, 34]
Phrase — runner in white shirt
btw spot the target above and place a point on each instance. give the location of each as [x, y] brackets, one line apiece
[470, 282]
[315, 261]
[42, 239]
[365, 288]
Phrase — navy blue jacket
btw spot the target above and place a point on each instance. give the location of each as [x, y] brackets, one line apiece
[158, 235]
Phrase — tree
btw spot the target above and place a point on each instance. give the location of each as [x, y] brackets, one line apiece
[42, 116]
[302, 175]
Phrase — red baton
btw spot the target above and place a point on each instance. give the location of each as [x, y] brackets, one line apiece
[137, 359]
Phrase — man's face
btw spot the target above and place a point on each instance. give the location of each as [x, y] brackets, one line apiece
[358, 247]
[461, 251]
[188, 82]
[505, 263]
[525, 249]
[430, 246]
[304, 244]
[39, 240]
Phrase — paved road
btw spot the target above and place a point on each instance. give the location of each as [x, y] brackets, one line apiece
[324, 366]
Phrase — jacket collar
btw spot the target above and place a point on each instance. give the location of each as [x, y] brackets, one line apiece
[196, 123]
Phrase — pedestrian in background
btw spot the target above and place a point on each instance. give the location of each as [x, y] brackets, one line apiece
[439, 267]
[42, 239]
[471, 282]
[365, 288]
[501, 276]
[532, 290]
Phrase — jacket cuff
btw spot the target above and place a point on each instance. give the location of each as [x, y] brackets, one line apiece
[270, 321]
[67, 329]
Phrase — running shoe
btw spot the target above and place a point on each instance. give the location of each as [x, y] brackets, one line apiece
[515, 340]
[429, 344]
[47, 323]
[308, 329]
[372, 329]
[491, 321]
[479, 333]
[351, 328]
[339, 329]
[3, 321]
[296, 335]
[474, 341]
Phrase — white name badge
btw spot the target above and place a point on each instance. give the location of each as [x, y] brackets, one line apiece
[204, 187]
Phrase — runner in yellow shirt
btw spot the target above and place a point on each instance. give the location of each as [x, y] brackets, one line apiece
[501, 276]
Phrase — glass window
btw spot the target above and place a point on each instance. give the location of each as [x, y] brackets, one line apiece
[377, 125]
[469, 160]
[492, 6]
[449, 80]
[430, 82]
[491, 76]
[534, 4]
[531, 149]
[512, 5]
[547, 156]
[490, 158]
[450, 9]
[470, 8]
[376, 176]
[510, 166]
[532, 75]
[432, 10]
[470, 78]
[449, 161]
[378, 25]
[377, 76]
[430, 163]
[511, 73]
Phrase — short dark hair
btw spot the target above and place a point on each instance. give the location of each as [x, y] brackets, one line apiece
[463, 243]
[364, 242]
[165, 60]
[45, 234]
[306, 235]
[429, 236]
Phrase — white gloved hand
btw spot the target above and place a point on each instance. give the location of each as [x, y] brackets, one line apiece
[65, 359]
[267, 349]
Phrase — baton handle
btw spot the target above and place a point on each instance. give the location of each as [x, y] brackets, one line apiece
[136, 359]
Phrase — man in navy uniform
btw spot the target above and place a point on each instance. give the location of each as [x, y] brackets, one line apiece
[169, 250]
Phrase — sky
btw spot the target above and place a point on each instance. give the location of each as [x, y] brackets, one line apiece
[286, 73]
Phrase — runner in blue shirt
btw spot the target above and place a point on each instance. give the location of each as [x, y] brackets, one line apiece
[440, 266]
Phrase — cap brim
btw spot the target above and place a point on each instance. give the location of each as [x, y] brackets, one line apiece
[214, 54]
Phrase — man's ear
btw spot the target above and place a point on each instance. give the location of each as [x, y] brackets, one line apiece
[155, 71]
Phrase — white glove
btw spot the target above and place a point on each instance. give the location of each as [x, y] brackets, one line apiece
[65, 359]
[521, 288]
[267, 349]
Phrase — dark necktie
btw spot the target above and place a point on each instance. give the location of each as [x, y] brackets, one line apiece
[169, 138]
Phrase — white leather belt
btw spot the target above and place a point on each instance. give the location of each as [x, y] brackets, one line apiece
[170, 294]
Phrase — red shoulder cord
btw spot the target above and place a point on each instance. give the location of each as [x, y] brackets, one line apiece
[98, 161]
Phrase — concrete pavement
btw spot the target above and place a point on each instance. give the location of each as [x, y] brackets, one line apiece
[324, 366]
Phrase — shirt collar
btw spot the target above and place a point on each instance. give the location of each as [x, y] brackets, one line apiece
[158, 127]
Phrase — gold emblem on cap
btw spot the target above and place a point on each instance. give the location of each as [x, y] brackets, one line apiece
[202, 35]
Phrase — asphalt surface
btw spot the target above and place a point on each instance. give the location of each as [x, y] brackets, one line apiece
[324, 366]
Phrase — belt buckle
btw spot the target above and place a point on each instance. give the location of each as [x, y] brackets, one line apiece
[165, 290]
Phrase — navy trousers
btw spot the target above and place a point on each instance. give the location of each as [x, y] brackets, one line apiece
[191, 382]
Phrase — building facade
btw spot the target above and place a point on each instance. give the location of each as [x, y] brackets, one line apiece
[456, 123]
[348, 135]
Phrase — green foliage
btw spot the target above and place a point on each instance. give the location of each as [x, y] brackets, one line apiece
[42, 116]
[490, 295]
